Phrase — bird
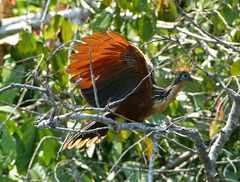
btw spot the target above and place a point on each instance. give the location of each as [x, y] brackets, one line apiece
[123, 73]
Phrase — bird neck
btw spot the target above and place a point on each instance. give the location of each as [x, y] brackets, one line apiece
[165, 97]
[173, 90]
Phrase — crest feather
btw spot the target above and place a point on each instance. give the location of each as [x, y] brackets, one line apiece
[183, 65]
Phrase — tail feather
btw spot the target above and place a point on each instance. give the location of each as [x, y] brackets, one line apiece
[87, 138]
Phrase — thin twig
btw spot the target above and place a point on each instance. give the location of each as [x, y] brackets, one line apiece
[125, 152]
[53, 104]
[202, 30]
[152, 158]
[231, 124]
[65, 140]
[93, 78]
[35, 153]
[44, 13]
[19, 85]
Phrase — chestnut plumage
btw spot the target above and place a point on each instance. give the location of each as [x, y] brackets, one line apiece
[122, 71]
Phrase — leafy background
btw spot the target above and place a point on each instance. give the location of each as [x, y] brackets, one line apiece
[27, 152]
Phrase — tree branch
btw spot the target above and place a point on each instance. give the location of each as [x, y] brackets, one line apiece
[193, 134]
[231, 124]
[152, 158]
[204, 31]
[13, 25]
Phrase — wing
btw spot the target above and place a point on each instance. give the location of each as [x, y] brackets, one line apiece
[118, 65]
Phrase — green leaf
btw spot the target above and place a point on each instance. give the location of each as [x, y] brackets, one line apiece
[124, 4]
[199, 50]
[235, 35]
[118, 20]
[174, 106]
[229, 13]
[219, 26]
[116, 150]
[49, 147]
[11, 73]
[134, 176]
[25, 145]
[8, 142]
[102, 22]
[64, 1]
[66, 32]
[51, 31]
[5, 178]
[145, 28]
[235, 68]
[167, 10]
[37, 172]
[59, 62]
[139, 5]
[57, 22]
[7, 147]
[124, 135]
[27, 44]
[105, 3]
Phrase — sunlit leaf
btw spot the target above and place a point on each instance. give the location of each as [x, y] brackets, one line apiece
[167, 10]
[235, 68]
[66, 31]
[27, 43]
[235, 35]
[52, 30]
[148, 146]
[105, 4]
[124, 134]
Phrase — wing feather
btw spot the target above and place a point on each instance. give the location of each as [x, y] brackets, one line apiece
[118, 65]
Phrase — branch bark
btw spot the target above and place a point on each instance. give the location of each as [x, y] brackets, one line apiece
[152, 158]
[13, 25]
[227, 130]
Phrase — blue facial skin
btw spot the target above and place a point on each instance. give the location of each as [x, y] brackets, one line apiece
[185, 77]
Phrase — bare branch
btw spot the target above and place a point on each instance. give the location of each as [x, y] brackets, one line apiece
[13, 25]
[93, 79]
[179, 160]
[191, 133]
[203, 31]
[226, 132]
[19, 85]
[125, 152]
[152, 158]
[35, 153]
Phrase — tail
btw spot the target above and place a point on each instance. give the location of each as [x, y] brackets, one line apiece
[92, 133]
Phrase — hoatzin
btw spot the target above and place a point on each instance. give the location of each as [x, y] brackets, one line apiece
[121, 71]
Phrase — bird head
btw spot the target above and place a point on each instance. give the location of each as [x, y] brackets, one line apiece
[182, 67]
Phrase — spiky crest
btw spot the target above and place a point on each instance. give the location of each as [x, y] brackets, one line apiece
[183, 65]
